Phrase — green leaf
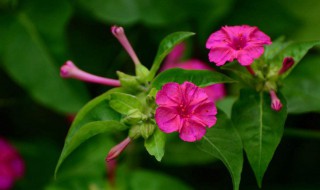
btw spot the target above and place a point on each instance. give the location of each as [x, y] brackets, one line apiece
[166, 45]
[260, 128]
[27, 61]
[84, 133]
[124, 103]
[301, 88]
[94, 113]
[149, 180]
[297, 50]
[198, 77]
[155, 144]
[223, 142]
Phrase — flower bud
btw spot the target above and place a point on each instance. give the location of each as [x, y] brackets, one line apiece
[116, 150]
[286, 65]
[70, 70]
[147, 129]
[135, 131]
[134, 116]
[275, 101]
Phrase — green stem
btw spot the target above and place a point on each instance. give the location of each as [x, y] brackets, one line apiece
[302, 133]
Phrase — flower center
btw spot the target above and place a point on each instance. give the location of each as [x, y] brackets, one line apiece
[239, 42]
[184, 111]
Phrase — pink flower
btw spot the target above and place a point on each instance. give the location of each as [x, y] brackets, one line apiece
[116, 150]
[185, 108]
[11, 165]
[215, 91]
[244, 43]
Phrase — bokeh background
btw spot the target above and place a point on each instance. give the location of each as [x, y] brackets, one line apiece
[36, 105]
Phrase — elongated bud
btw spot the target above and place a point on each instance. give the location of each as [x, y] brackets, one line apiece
[275, 101]
[69, 70]
[118, 32]
[286, 64]
[116, 150]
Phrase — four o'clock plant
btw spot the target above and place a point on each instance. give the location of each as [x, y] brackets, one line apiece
[150, 104]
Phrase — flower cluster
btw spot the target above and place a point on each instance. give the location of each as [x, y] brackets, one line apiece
[11, 165]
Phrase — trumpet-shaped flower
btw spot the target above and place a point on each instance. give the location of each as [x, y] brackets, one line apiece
[244, 43]
[186, 109]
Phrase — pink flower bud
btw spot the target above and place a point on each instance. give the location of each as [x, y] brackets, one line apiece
[118, 32]
[116, 150]
[275, 101]
[69, 70]
[286, 64]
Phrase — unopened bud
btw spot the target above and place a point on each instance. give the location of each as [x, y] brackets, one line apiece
[70, 70]
[134, 116]
[286, 65]
[275, 101]
[119, 33]
[135, 132]
[116, 150]
[147, 129]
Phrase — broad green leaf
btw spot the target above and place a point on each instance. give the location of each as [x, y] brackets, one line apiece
[223, 142]
[155, 144]
[301, 88]
[166, 45]
[97, 110]
[150, 180]
[198, 77]
[127, 12]
[120, 11]
[27, 61]
[84, 133]
[260, 128]
[124, 103]
[296, 50]
[225, 104]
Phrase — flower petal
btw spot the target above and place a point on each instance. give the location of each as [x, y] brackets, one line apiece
[191, 131]
[193, 94]
[167, 119]
[259, 37]
[220, 55]
[169, 95]
[249, 53]
[215, 92]
[217, 39]
[205, 114]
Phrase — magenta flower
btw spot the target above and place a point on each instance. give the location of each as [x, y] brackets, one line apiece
[244, 43]
[215, 91]
[185, 108]
[11, 165]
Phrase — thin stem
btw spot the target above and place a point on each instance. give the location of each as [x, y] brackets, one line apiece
[251, 71]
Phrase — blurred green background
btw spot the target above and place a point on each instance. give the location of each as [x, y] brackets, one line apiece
[38, 36]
